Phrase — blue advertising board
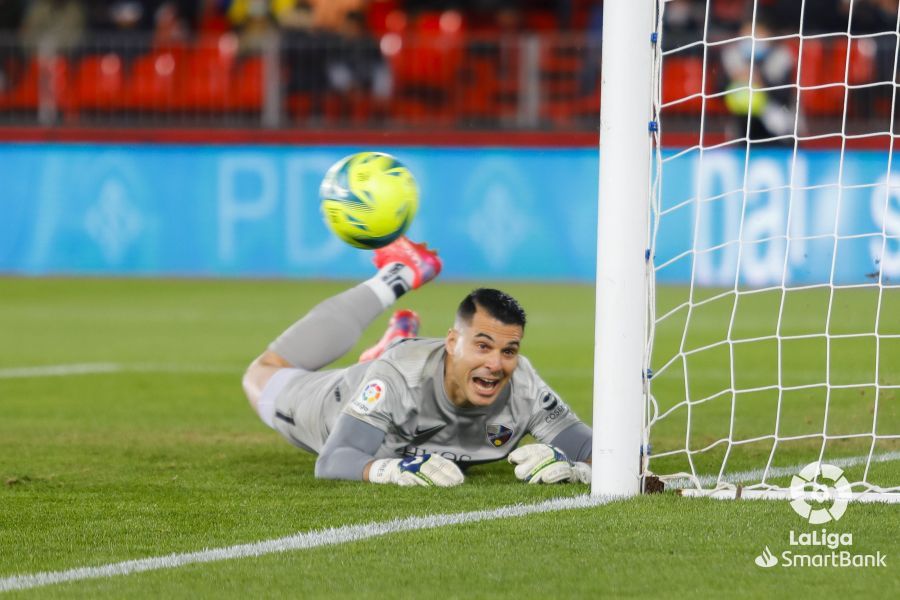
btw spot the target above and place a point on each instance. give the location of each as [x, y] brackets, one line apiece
[770, 217]
[513, 213]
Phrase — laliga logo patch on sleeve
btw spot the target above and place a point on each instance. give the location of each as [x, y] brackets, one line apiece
[371, 395]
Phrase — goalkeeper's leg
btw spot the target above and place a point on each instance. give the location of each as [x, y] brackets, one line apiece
[334, 326]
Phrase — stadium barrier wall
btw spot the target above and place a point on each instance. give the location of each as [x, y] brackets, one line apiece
[507, 213]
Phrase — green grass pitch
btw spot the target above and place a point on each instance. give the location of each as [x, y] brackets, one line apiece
[163, 455]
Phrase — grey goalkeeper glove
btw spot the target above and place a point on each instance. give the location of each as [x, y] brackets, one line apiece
[428, 470]
[542, 463]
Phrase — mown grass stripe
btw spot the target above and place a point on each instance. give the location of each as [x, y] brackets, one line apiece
[300, 541]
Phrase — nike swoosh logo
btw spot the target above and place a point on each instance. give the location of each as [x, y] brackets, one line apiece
[420, 434]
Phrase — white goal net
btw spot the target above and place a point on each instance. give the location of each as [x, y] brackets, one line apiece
[774, 326]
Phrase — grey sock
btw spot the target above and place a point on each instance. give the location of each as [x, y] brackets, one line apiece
[330, 329]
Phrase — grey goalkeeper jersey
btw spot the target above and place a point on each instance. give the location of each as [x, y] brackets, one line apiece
[402, 394]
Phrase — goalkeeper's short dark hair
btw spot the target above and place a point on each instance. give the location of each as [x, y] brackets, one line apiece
[497, 304]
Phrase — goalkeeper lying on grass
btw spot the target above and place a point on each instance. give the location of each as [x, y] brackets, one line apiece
[415, 411]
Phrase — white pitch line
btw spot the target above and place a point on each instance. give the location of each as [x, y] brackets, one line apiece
[59, 370]
[776, 472]
[67, 370]
[299, 541]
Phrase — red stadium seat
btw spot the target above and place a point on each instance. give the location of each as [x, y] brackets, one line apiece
[99, 83]
[823, 63]
[570, 92]
[381, 17]
[207, 74]
[154, 82]
[541, 20]
[430, 53]
[426, 59]
[41, 76]
[247, 84]
[861, 66]
[682, 78]
[486, 93]
[300, 105]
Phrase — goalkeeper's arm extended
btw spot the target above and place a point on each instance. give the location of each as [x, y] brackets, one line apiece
[543, 463]
[350, 452]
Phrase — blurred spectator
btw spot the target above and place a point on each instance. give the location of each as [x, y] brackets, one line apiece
[339, 16]
[254, 23]
[510, 15]
[11, 59]
[480, 15]
[11, 13]
[212, 17]
[783, 16]
[726, 17]
[120, 16]
[870, 16]
[58, 23]
[565, 13]
[506, 14]
[171, 27]
[303, 49]
[826, 17]
[327, 47]
[189, 12]
[359, 64]
[128, 21]
[765, 113]
[590, 72]
[130, 16]
[683, 22]
[293, 15]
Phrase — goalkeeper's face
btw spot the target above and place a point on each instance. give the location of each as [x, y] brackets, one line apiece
[481, 358]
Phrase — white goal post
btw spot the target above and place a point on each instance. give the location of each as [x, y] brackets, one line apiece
[622, 241]
[747, 322]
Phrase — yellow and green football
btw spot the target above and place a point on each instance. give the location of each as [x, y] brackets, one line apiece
[369, 199]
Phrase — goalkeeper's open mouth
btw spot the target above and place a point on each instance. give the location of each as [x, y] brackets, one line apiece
[486, 386]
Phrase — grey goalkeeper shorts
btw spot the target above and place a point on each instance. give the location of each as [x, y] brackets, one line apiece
[303, 405]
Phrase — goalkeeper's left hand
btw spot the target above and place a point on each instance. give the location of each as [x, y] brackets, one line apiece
[542, 463]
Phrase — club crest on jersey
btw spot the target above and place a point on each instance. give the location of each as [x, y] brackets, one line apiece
[370, 396]
[498, 435]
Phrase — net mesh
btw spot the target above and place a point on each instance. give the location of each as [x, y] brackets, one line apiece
[776, 196]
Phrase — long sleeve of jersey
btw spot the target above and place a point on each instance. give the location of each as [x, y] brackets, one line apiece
[350, 447]
[575, 441]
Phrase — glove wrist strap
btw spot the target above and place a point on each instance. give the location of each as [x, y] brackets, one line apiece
[383, 470]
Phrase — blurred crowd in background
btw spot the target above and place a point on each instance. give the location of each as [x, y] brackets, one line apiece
[70, 21]
[173, 19]
[462, 63]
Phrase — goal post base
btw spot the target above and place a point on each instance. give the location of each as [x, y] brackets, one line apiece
[651, 484]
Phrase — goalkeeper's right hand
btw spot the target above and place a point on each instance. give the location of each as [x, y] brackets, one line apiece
[428, 469]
